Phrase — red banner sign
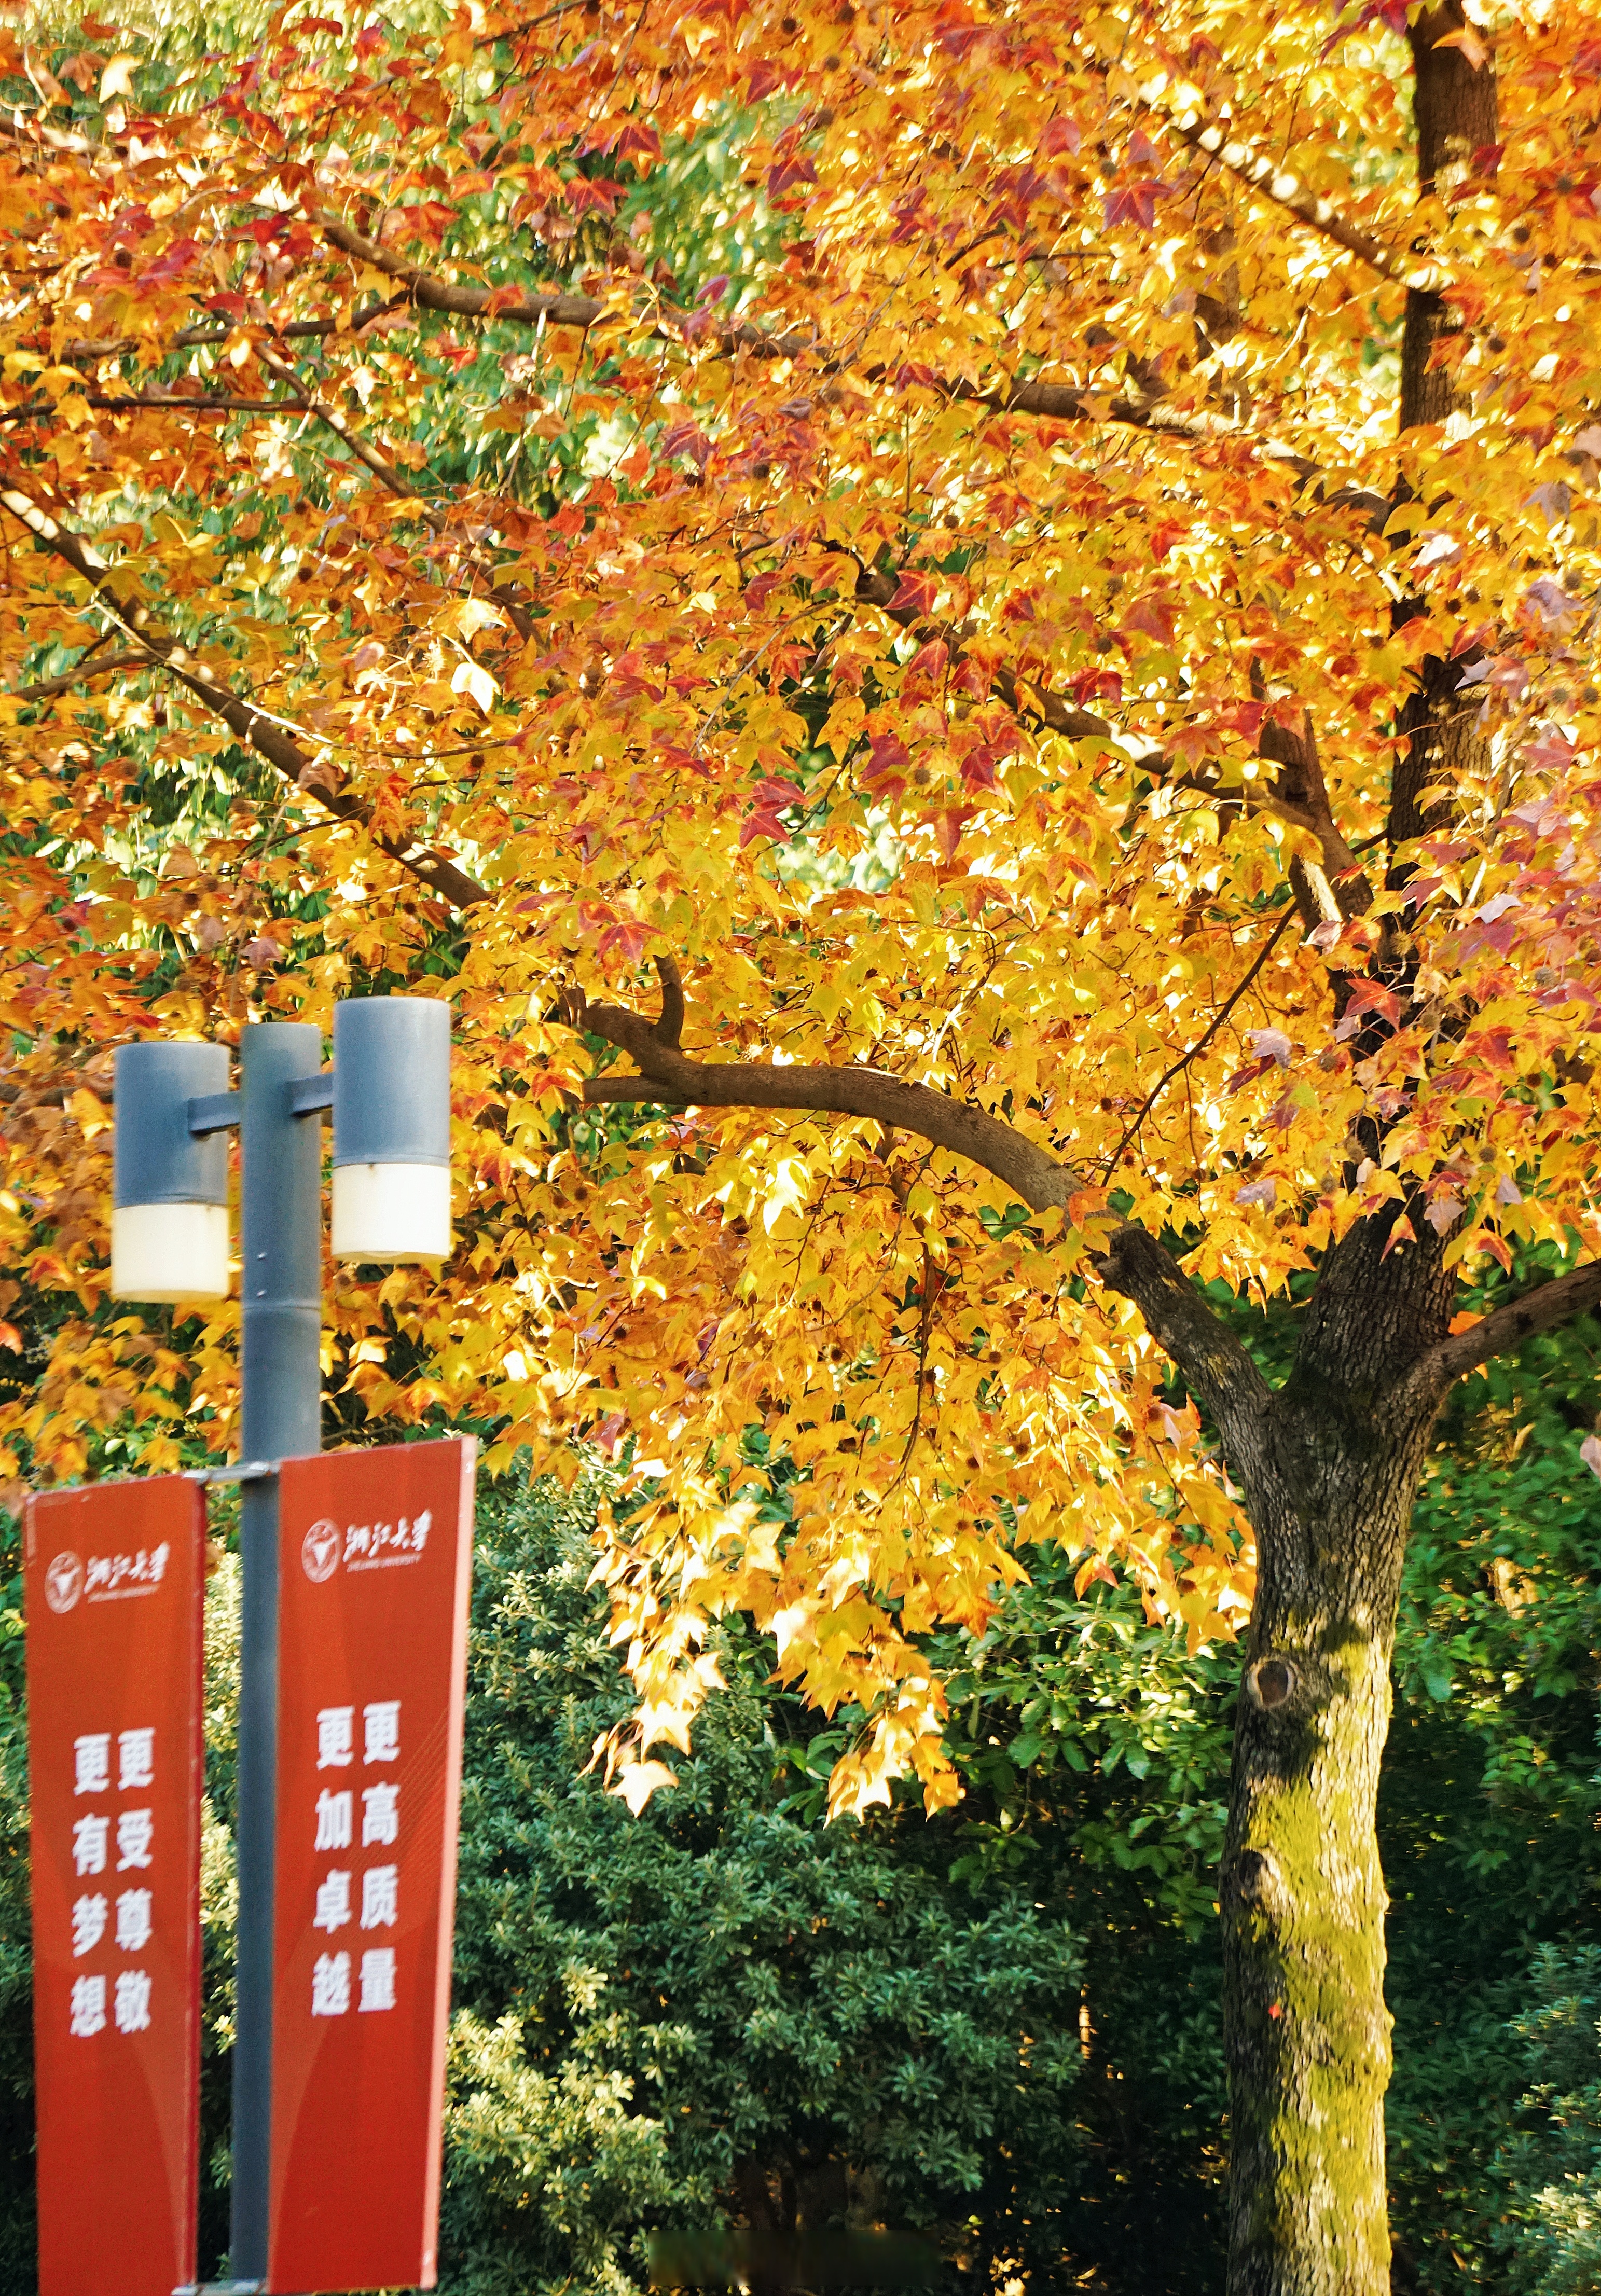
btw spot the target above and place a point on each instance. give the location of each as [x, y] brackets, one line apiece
[376, 1552]
[114, 1577]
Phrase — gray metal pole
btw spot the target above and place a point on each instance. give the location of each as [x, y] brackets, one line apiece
[280, 1416]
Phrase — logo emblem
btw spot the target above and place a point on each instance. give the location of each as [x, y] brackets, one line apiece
[319, 1552]
[64, 1581]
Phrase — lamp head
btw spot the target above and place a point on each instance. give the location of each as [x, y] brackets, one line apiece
[391, 1129]
[169, 1197]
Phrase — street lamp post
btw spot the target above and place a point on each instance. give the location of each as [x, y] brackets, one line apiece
[389, 1092]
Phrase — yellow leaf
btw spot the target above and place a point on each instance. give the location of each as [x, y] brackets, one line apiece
[636, 1782]
[471, 677]
[117, 79]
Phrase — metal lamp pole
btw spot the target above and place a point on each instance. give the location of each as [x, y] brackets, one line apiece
[389, 1094]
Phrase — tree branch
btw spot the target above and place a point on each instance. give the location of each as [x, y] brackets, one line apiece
[1199, 1044]
[437, 871]
[431, 294]
[1213, 139]
[1072, 402]
[1037, 1179]
[1540, 1310]
[1216, 1368]
[1214, 1365]
[82, 347]
[78, 676]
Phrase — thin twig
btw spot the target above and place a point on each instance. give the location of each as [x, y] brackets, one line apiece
[516, 31]
[1199, 1044]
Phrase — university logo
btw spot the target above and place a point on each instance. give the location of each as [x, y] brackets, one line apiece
[64, 1581]
[319, 1552]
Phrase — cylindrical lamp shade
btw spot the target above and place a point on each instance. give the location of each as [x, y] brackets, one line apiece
[391, 1129]
[169, 1217]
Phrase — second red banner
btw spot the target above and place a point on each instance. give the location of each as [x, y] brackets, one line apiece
[376, 1563]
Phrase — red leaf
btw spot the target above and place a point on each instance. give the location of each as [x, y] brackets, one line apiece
[626, 942]
[916, 594]
[774, 797]
[1152, 617]
[1248, 1074]
[1136, 204]
[638, 141]
[685, 438]
[796, 170]
[889, 755]
[762, 823]
[585, 195]
[1060, 136]
[772, 791]
[929, 661]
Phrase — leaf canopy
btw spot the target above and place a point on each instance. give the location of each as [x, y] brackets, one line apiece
[896, 514]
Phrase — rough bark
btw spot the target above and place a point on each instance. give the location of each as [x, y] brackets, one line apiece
[1453, 107]
[1329, 1466]
[1302, 1899]
[1329, 1484]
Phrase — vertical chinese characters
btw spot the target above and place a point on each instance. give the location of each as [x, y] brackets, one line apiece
[127, 1989]
[334, 1823]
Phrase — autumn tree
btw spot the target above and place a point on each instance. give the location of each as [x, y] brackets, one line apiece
[1067, 654]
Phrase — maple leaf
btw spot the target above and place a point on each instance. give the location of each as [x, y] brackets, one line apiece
[949, 822]
[887, 754]
[783, 174]
[117, 79]
[1152, 617]
[774, 797]
[637, 1781]
[915, 593]
[1059, 135]
[1134, 203]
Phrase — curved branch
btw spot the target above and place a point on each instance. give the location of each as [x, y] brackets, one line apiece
[433, 294]
[1199, 1044]
[1540, 1310]
[48, 688]
[665, 1073]
[1214, 1365]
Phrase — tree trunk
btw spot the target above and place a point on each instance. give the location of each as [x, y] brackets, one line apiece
[1330, 1466]
[1302, 1898]
[1329, 1463]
